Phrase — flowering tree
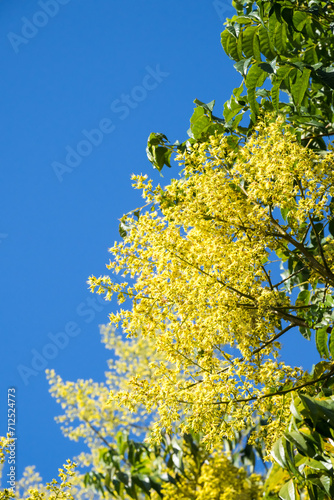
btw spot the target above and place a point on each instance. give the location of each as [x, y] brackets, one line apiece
[205, 306]
[202, 267]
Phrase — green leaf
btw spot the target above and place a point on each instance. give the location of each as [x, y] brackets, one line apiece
[229, 43]
[280, 76]
[294, 408]
[327, 77]
[107, 480]
[266, 67]
[236, 121]
[331, 227]
[287, 15]
[299, 20]
[199, 122]
[331, 343]
[157, 151]
[242, 66]
[255, 78]
[243, 19]
[319, 369]
[326, 483]
[123, 229]
[306, 332]
[300, 442]
[280, 38]
[310, 56]
[231, 109]
[208, 106]
[303, 298]
[321, 337]
[288, 491]
[279, 453]
[317, 410]
[250, 42]
[313, 464]
[300, 85]
[266, 46]
[161, 157]
[225, 40]
[238, 90]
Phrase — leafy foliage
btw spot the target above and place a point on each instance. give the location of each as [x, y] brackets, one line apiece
[306, 450]
[284, 51]
[291, 44]
[175, 469]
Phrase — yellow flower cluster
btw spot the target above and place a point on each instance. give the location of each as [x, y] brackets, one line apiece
[4, 442]
[198, 280]
[30, 487]
[88, 413]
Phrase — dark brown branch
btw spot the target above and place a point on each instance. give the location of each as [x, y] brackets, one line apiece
[314, 230]
[240, 360]
[327, 275]
[328, 134]
[97, 432]
[269, 394]
[290, 276]
[278, 393]
[232, 289]
[290, 317]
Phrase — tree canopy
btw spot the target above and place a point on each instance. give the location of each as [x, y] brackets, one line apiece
[201, 281]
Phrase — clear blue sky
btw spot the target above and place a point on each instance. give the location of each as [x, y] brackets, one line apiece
[68, 66]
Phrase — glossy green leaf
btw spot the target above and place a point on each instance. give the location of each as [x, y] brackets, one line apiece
[199, 122]
[231, 109]
[266, 67]
[225, 40]
[299, 19]
[242, 66]
[281, 74]
[331, 342]
[321, 338]
[280, 38]
[229, 43]
[279, 453]
[250, 43]
[314, 464]
[266, 45]
[300, 442]
[317, 410]
[300, 85]
[303, 298]
[255, 78]
[208, 106]
[288, 491]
